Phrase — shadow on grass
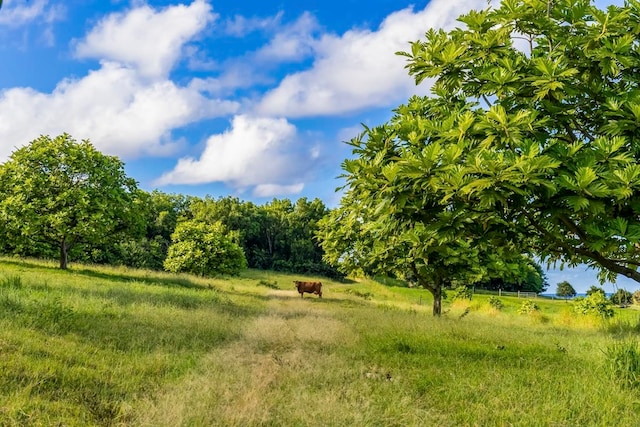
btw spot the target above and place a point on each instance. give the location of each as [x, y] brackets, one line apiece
[177, 282]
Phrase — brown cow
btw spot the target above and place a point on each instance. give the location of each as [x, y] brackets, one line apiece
[309, 287]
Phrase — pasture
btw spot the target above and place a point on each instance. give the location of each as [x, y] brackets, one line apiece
[113, 346]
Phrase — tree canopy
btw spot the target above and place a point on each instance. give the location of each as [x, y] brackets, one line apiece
[204, 249]
[543, 104]
[565, 290]
[56, 193]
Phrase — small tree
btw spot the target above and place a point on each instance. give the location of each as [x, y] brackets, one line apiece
[204, 249]
[622, 297]
[565, 290]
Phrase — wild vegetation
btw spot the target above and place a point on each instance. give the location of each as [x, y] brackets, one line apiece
[115, 346]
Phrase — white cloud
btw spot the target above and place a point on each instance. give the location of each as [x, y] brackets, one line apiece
[128, 107]
[360, 69]
[271, 190]
[147, 39]
[263, 152]
[119, 112]
[292, 43]
[240, 26]
[24, 12]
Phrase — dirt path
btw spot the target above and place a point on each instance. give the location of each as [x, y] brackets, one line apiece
[244, 382]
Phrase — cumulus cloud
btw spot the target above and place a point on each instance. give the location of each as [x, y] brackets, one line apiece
[255, 151]
[128, 107]
[359, 69]
[144, 38]
[120, 113]
[293, 42]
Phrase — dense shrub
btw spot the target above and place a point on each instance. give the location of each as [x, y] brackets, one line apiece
[528, 307]
[596, 304]
[460, 293]
[636, 297]
[204, 249]
[621, 297]
[496, 303]
[594, 289]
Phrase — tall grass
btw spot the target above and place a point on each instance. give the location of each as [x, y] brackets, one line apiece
[101, 346]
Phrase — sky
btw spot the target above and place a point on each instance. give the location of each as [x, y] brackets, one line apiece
[220, 98]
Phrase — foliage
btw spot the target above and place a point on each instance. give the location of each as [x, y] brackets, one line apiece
[279, 235]
[622, 297]
[623, 363]
[496, 303]
[636, 297]
[595, 289]
[203, 249]
[388, 225]
[58, 193]
[542, 105]
[528, 307]
[595, 304]
[460, 293]
[565, 290]
[529, 277]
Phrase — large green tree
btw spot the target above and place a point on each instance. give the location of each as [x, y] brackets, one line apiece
[59, 192]
[386, 225]
[544, 109]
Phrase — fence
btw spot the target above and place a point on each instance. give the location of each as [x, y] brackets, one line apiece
[517, 294]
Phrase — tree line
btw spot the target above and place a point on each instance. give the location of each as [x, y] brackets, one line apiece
[62, 198]
[527, 148]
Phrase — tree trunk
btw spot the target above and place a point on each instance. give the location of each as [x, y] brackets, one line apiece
[63, 253]
[436, 291]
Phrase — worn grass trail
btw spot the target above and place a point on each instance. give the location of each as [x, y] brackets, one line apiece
[275, 373]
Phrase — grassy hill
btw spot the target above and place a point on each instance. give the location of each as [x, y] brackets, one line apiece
[109, 346]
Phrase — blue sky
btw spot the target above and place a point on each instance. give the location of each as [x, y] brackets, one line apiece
[243, 98]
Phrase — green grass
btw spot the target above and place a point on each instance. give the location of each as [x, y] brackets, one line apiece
[113, 346]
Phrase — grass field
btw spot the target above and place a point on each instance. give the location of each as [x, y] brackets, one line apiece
[108, 346]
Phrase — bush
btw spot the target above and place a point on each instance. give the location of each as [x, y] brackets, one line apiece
[623, 363]
[528, 307]
[596, 304]
[621, 297]
[460, 293]
[636, 297]
[496, 303]
[204, 249]
[596, 289]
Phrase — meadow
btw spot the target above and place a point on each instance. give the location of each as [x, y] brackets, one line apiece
[107, 346]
